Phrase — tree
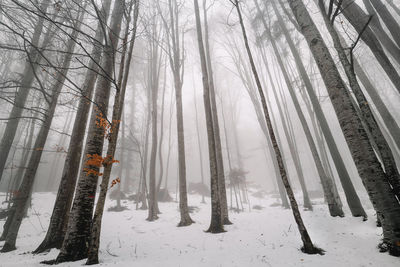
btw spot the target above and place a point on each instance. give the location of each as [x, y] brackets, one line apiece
[216, 225]
[76, 238]
[308, 246]
[368, 166]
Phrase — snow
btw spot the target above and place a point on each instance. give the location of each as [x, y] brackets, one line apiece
[267, 237]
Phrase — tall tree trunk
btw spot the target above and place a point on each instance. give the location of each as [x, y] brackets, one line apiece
[76, 239]
[21, 200]
[386, 115]
[334, 203]
[94, 241]
[216, 225]
[59, 217]
[214, 110]
[356, 16]
[199, 145]
[308, 246]
[368, 166]
[388, 19]
[24, 89]
[372, 126]
[351, 195]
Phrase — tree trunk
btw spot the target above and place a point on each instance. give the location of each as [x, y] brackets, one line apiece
[388, 19]
[308, 246]
[368, 166]
[94, 242]
[371, 125]
[24, 89]
[356, 16]
[217, 138]
[216, 225]
[21, 200]
[334, 203]
[59, 217]
[351, 195]
[76, 239]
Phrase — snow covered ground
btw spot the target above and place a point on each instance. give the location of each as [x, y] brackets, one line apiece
[266, 237]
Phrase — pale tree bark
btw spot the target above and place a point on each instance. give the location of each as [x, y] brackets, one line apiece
[59, 217]
[382, 147]
[308, 246]
[76, 240]
[244, 75]
[216, 225]
[387, 117]
[368, 166]
[351, 195]
[356, 16]
[334, 203]
[199, 144]
[176, 55]
[21, 200]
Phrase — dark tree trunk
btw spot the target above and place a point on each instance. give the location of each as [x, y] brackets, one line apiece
[216, 225]
[59, 218]
[24, 89]
[75, 245]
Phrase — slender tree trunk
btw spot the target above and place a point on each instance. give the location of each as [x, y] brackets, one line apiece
[308, 246]
[59, 217]
[75, 245]
[351, 195]
[23, 91]
[21, 200]
[216, 225]
[217, 138]
[334, 203]
[199, 144]
[368, 166]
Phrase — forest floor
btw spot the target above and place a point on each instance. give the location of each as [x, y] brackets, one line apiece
[266, 237]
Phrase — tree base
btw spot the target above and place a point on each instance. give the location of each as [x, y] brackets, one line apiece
[312, 250]
[392, 248]
[46, 246]
[216, 229]
[226, 221]
[336, 211]
[8, 247]
[185, 222]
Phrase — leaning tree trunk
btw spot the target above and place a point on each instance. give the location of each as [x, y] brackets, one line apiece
[24, 89]
[390, 22]
[216, 225]
[21, 200]
[351, 195]
[59, 218]
[76, 239]
[217, 138]
[368, 166]
[94, 242]
[372, 126]
[356, 16]
[308, 246]
[333, 200]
